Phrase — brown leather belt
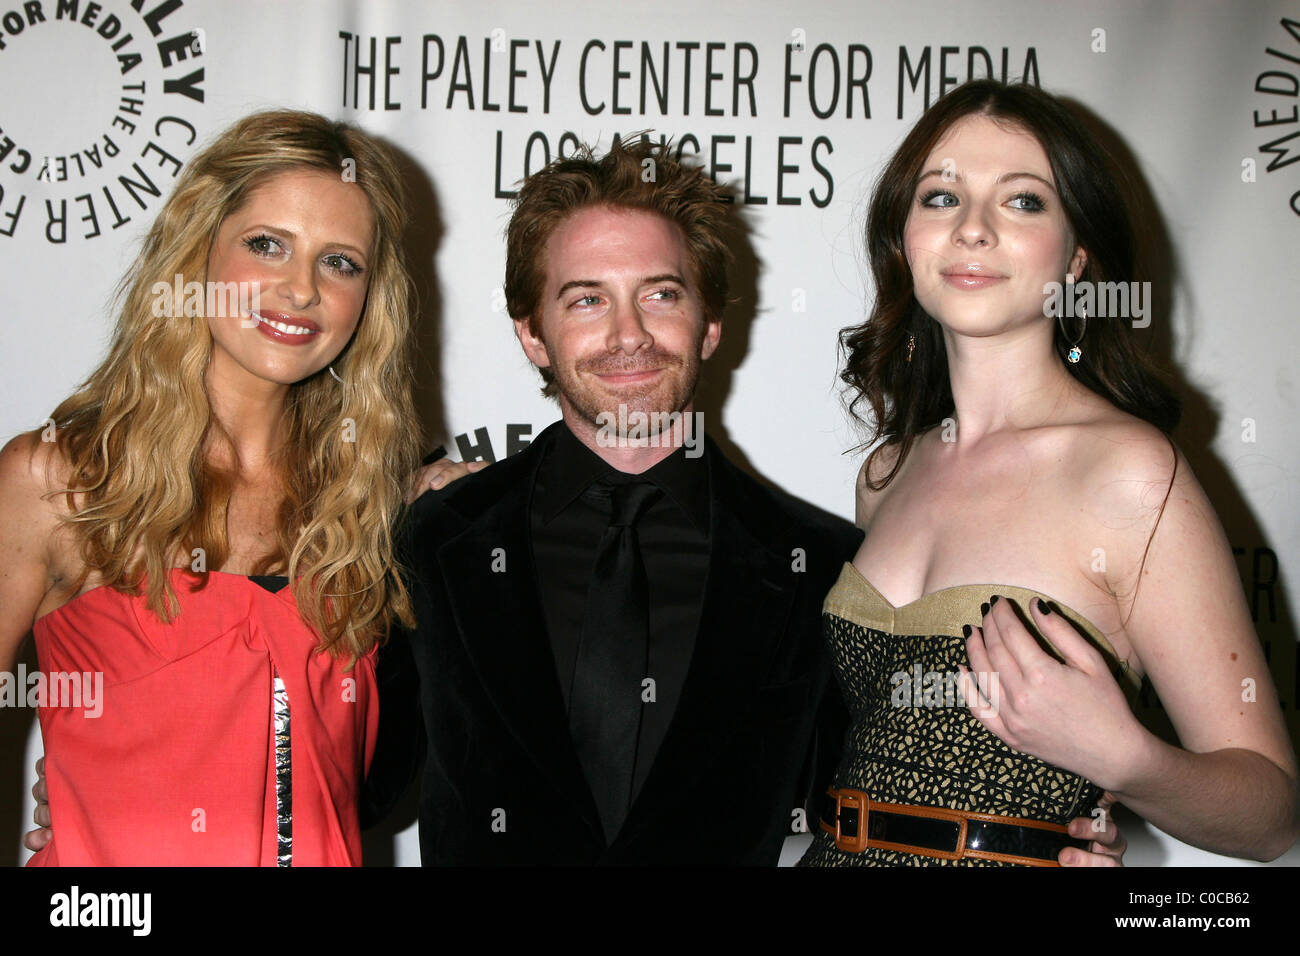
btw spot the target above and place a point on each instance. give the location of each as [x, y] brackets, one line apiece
[857, 822]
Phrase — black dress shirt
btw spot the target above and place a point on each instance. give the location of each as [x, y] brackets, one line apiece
[567, 526]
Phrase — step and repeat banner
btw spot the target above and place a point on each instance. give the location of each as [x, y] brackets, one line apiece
[796, 105]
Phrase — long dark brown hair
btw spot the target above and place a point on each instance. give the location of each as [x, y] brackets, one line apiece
[909, 398]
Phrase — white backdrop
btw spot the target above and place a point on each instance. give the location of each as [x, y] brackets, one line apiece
[97, 111]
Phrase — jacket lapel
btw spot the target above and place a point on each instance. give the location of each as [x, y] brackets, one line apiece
[747, 599]
[491, 584]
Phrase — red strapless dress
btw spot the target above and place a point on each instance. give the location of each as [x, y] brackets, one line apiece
[221, 739]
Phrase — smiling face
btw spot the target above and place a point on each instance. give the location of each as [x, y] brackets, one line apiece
[987, 230]
[305, 238]
[621, 319]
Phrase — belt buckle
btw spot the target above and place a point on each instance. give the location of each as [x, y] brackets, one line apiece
[858, 842]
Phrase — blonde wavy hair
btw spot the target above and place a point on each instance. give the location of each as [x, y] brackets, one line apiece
[137, 433]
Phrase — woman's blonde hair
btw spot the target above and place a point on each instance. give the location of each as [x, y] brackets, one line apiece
[137, 433]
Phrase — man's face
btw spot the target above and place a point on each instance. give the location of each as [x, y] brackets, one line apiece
[621, 318]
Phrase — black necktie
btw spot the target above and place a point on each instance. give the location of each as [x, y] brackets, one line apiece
[605, 704]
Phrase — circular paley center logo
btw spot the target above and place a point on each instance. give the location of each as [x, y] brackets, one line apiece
[102, 106]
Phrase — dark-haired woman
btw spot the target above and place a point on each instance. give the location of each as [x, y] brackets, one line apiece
[1026, 481]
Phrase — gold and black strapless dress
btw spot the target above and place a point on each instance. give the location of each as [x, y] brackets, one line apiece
[912, 741]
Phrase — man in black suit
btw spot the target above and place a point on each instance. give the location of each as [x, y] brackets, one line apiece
[544, 743]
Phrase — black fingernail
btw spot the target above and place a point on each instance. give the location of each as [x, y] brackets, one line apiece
[1043, 608]
[993, 600]
[984, 609]
[966, 630]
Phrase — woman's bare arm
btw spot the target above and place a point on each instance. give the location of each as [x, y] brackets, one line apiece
[1233, 788]
[27, 528]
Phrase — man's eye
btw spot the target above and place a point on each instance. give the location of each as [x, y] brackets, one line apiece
[665, 294]
[588, 300]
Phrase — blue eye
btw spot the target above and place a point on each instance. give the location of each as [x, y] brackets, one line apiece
[1032, 202]
[927, 200]
[666, 293]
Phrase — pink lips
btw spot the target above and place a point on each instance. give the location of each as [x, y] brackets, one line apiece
[971, 275]
[287, 338]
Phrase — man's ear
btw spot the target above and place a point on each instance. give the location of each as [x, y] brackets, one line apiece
[533, 346]
[712, 335]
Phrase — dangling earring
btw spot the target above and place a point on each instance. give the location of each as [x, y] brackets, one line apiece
[336, 375]
[911, 345]
[1075, 352]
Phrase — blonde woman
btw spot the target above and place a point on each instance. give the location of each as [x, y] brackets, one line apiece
[204, 535]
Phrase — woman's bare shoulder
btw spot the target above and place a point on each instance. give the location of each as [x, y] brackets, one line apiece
[1124, 455]
[29, 531]
[1127, 479]
[31, 467]
[877, 466]
[32, 472]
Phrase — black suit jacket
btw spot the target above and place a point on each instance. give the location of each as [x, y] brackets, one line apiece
[502, 783]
